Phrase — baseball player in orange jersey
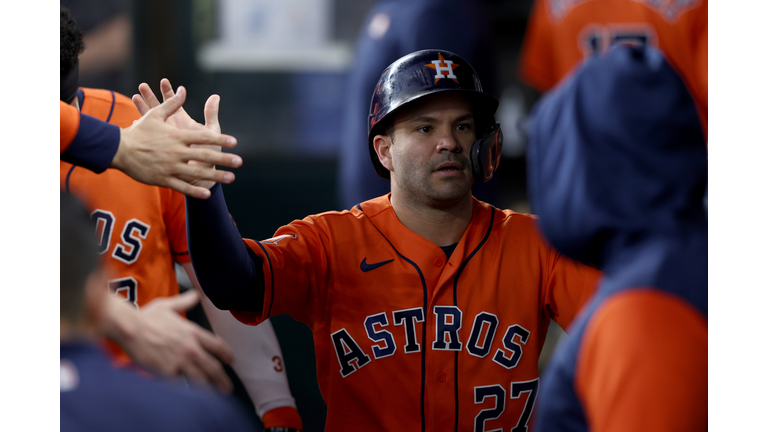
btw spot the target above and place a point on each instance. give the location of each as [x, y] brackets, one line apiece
[428, 307]
[562, 33]
[141, 232]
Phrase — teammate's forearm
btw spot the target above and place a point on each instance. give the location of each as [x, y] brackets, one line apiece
[230, 275]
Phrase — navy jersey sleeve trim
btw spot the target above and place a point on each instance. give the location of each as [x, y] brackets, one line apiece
[94, 146]
[112, 107]
[230, 276]
[69, 174]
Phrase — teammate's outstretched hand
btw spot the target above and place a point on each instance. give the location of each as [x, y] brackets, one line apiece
[158, 152]
[146, 100]
[160, 339]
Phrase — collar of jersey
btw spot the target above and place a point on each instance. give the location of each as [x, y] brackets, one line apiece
[381, 214]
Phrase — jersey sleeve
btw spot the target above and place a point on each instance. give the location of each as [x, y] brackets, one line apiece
[69, 122]
[643, 365]
[174, 213]
[85, 140]
[568, 286]
[295, 269]
[536, 57]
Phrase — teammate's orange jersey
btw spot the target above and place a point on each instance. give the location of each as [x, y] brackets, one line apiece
[140, 229]
[69, 121]
[85, 140]
[407, 340]
[621, 330]
[561, 33]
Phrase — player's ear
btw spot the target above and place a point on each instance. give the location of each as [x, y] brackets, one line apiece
[383, 146]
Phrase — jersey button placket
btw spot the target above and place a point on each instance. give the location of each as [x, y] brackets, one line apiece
[438, 262]
[441, 377]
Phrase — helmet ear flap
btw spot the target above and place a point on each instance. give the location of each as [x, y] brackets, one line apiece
[485, 153]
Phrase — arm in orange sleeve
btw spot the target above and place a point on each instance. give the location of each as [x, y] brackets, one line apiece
[150, 150]
[536, 57]
[295, 271]
[642, 365]
[569, 285]
[68, 124]
[85, 140]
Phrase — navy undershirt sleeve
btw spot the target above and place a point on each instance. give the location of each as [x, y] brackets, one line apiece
[229, 272]
[94, 145]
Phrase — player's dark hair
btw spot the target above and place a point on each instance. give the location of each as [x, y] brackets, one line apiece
[70, 42]
[78, 256]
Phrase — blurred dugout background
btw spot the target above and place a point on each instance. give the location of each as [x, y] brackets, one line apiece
[280, 68]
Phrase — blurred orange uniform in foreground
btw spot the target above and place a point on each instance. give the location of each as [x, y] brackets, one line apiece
[561, 33]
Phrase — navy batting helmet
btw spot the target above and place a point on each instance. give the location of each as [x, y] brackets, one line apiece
[426, 72]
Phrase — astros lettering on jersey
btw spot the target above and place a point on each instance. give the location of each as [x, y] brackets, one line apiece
[407, 340]
[141, 237]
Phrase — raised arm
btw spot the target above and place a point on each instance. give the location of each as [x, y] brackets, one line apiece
[85, 140]
[151, 151]
[228, 273]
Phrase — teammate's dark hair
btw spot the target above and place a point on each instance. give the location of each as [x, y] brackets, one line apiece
[70, 42]
[78, 256]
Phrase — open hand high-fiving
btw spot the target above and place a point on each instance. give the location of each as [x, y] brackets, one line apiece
[146, 101]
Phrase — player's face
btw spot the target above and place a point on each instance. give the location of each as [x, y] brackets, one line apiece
[430, 152]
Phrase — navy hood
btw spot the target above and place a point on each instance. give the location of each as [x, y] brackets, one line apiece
[617, 154]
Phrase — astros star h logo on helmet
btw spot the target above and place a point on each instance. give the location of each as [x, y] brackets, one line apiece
[441, 66]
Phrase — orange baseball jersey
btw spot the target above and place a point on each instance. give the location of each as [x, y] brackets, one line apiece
[409, 340]
[621, 330]
[140, 229]
[561, 33]
[69, 122]
[86, 140]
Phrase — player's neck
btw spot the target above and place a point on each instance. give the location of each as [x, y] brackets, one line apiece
[443, 226]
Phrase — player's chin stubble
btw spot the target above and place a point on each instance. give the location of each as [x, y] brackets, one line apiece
[425, 186]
